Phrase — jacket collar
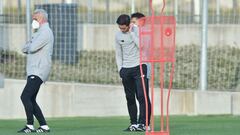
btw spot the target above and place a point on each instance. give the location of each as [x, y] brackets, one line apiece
[43, 26]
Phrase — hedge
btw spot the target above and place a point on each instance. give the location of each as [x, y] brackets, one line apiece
[100, 67]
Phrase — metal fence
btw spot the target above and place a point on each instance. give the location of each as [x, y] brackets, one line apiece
[93, 47]
[106, 11]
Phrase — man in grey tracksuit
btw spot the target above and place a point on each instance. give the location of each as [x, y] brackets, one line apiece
[127, 57]
[134, 20]
[39, 52]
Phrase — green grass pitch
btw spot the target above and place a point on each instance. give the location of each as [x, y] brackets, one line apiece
[179, 125]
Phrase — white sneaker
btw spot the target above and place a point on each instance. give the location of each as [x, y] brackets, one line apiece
[131, 128]
[142, 127]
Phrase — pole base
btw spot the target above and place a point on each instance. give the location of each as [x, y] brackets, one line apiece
[157, 133]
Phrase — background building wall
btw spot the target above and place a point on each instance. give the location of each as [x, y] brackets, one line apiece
[72, 99]
[102, 36]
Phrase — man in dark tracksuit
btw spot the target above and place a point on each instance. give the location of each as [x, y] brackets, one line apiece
[39, 52]
[127, 57]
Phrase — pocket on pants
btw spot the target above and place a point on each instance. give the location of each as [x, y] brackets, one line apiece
[121, 72]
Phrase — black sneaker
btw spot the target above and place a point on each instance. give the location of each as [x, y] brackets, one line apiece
[26, 130]
[131, 128]
[41, 130]
[142, 127]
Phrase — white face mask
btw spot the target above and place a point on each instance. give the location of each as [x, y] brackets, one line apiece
[35, 24]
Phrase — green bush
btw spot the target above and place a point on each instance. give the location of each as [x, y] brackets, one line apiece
[100, 67]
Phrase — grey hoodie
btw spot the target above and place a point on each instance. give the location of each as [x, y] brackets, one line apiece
[39, 52]
[127, 49]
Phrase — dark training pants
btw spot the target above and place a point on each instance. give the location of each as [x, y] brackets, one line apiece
[132, 82]
[28, 98]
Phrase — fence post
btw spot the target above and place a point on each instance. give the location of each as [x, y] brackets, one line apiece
[203, 64]
[107, 11]
[19, 8]
[90, 11]
[218, 11]
[1, 7]
[196, 6]
[28, 19]
[133, 6]
[1, 80]
[176, 9]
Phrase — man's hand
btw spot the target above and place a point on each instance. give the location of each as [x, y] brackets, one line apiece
[132, 26]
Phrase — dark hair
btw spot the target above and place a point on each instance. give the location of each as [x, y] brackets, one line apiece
[138, 15]
[123, 19]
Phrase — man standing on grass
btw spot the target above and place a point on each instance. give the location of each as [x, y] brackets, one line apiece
[39, 54]
[135, 21]
[127, 57]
